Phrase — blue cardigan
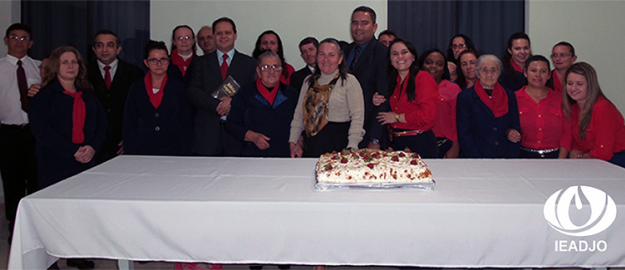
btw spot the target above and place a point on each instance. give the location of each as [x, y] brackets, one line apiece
[480, 134]
[251, 111]
[163, 131]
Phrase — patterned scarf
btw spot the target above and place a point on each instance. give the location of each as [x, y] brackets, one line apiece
[316, 106]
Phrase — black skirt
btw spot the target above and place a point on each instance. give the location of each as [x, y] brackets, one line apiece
[333, 137]
[424, 144]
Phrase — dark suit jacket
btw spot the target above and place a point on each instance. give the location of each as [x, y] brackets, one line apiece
[205, 79]
[163, 131]
[113, 101]
[251, 111]
[480, 134]
[371, 72]
[297, 78]
[512, 82]
[173, 71]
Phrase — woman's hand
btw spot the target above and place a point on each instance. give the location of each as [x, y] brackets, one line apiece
[33, 90]
[258, 139]
[454, 151]
[578, 154]
[297, 150]
[378, 99]
[84, 154]
[514, 135]
[387, 118]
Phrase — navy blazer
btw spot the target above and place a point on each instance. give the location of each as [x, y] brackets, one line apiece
[512, 82]
[371, 71]
[173, 71]
[51, 120]
[480, 134]
[251, 111]
[165, 130]
[204, 81]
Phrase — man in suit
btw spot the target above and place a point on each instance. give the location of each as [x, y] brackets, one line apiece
[210, 135]
[308, 47]
[367, 59]
[111, 78]
[206, 40]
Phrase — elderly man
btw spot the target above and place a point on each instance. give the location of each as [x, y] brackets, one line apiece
[308, 47]
[563, 57]
[367, 60]
[206, 40]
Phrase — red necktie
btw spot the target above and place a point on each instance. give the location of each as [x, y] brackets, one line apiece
[107, 76]
[23, 85]
[224, 67]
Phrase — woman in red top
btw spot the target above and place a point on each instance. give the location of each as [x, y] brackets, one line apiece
[413, 102]
[433, 61]
[596, 129]
[540, 113]
[270, 41]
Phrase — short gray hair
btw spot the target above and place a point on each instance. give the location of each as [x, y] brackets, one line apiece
[480, 61]
[266, 54]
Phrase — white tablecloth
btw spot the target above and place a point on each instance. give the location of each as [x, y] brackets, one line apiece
[234, 210]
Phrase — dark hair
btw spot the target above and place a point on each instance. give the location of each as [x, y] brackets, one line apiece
[366, 9]
[427, 53]
[414, 69]
[507, 56]
[535, 58]
[258, 51]
[461, 80]
[19, 26]
[343, 71]
[154, 45]
[55, 62]
[564, 43]
[107, 32]
[173, 36]
[467, 41]
[388, 33]
[593, 91]
[309, 40]
[225, 19]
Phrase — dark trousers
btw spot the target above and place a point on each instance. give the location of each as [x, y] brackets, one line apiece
[333, 137]
[444, 145]
[18, 166]
[424, 144]
[618, 159]
[228, 145]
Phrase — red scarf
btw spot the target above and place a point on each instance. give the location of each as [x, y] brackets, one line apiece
[155, 99]
[78, 117]
[516, 66]
[498, 103]
[177, 60]
[269, 96]
[557, 86]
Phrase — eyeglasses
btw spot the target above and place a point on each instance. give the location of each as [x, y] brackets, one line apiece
[268, 67]
[19, 38]
[458, 46]
[562, 55]
[155, 61]
[184, 38]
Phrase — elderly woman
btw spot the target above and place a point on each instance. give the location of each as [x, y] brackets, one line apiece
[517, 52]
[433, 61]
[540, 113]
[413, 102]
[157, 116]
[596, 125]
[270, 41]
[467, 75]
[262, 111]
[182, 53]
[485, 114]
[330, 108]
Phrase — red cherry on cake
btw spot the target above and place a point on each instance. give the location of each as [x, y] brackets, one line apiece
[395, 158]
[370, 165]
[413, 162]
[343, 160]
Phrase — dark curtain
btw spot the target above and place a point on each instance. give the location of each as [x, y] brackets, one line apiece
[58, 23]
[431, 24]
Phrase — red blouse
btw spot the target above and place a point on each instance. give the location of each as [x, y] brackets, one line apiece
[557, 86]
[420, 113]
[286, 79]
[605, 134]
[445, 122]
[542, 123]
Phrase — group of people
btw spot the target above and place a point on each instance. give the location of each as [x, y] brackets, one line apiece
[63, 116]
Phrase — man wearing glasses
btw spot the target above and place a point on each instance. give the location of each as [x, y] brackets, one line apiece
[111, 78]
[18, 165]
[563, 57]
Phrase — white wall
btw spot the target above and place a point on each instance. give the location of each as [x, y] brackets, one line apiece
[595, 28]
[9, 14]
[292, 20]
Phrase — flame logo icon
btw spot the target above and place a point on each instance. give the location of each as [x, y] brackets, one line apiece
[602, 210]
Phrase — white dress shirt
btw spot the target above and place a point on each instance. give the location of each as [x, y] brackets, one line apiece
[221, 59]
[11, 112]
[113, 69]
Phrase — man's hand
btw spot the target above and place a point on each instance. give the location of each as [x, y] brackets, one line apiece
[224, 107]
[33, 90]
[84, 154]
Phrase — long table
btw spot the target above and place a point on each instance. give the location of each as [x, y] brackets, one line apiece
[482, 213]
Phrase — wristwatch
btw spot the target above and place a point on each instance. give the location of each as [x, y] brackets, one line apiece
[397, 117]
[375, 141]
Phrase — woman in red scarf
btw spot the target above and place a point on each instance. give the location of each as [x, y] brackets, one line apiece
[182, 52]
[485, 113]
[517, 52]
[270, 41]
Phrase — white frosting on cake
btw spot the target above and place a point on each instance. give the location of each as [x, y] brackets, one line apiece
[372, 166]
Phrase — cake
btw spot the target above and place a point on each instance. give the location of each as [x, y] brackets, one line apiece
[368, 166]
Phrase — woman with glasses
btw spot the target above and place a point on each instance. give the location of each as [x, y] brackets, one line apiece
[182, 53]
[517, 52]
[157, 117]
[458, 44]
[270, 41]
[330, 110]
[261, 111]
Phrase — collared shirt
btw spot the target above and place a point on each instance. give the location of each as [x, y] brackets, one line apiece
[220, 57]
[419, 113]
[542, 123]
[113, 69]
[445, 124]
[312, 69]
[351, 55]
[11, 112]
